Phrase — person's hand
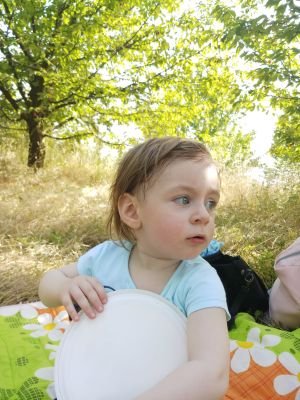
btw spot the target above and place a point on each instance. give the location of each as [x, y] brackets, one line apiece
[86, 292]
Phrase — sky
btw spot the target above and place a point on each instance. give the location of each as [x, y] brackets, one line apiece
[263, 124]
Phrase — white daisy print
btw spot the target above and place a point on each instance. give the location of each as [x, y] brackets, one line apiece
[47, 325]
[53, 349]
[253, 348]
[48, 375]
[285, 384]
[27, 311]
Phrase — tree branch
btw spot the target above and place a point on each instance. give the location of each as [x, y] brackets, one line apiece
[292, 98]
[10, 61]
[9, 97]
[58, 22]
[62, 123]
[7, 117]
[130, 42]
[83, 135]
[6, 7]
[9, 15]
[77, 136]
[12, 129]
[63, 103]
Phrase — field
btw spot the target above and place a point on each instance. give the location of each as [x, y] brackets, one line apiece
[50, 217]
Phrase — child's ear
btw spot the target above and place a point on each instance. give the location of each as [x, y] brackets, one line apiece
[128, 210]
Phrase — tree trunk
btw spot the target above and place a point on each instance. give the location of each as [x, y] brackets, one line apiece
[36, 150]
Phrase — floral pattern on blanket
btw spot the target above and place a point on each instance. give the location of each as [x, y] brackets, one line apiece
[265, 362]
[29, 337]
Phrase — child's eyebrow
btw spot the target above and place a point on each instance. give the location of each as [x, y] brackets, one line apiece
[185, 188]
[215, 192]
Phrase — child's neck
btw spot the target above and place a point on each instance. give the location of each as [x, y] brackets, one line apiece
[150, 273]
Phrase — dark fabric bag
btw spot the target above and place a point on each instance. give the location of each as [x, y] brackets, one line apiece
[245, 290]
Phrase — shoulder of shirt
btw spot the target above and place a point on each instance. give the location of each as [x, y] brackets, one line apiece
[198, 268]
[197, 263]
[107, 248]
[113, 245]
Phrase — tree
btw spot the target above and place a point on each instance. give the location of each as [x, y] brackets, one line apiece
[71, 69]
[267, 37]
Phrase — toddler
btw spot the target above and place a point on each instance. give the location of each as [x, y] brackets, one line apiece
[162, 215]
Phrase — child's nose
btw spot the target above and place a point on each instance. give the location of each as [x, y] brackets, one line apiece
[200, 215]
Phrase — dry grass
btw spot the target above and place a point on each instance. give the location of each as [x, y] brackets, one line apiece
[257, 221]
[49, 218]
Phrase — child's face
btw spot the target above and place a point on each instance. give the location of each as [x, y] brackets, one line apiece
[178, 212]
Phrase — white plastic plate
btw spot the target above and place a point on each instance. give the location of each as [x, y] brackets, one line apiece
[136, 341]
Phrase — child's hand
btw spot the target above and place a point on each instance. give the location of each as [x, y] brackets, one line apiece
[85, 291]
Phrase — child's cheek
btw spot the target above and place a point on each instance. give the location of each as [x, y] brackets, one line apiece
[170, 227]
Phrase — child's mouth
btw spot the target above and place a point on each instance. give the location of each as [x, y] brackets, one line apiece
[197, 239]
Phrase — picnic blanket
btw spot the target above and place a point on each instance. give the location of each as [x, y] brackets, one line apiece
[265, 362]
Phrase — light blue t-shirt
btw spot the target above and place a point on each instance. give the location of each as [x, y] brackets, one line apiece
[193, 286]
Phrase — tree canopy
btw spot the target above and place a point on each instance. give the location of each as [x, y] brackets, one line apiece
[76, 68]
[266, 35]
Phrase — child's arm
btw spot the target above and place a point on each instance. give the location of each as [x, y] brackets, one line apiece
[205, 376]
[65, 287]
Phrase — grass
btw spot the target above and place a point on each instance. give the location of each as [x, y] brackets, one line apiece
[257, 221]
[49, 218]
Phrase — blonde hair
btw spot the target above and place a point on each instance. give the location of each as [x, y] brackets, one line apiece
[137, 169]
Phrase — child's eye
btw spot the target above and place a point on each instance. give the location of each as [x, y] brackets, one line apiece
[211, 205]
[182, 200]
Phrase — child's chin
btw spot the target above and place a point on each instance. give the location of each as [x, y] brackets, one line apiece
[192, 255]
